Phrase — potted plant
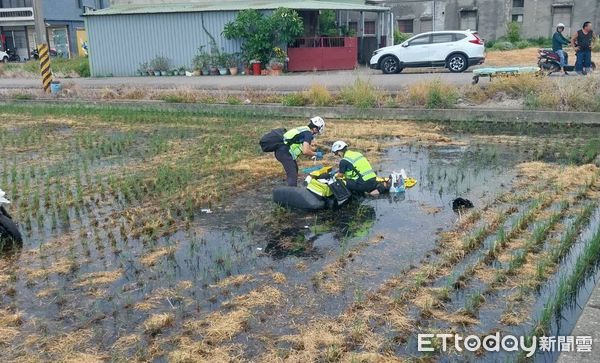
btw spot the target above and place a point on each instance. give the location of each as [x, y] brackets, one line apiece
[160, 65]
[143, 69]
[255, 64]
[232, 64]
[277, 61]
[201, 61]
[221, 61]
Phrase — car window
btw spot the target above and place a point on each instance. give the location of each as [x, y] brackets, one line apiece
[420, 40]
[442, 38]
[459, 36]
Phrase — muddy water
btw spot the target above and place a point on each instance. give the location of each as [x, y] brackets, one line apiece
[252, 237]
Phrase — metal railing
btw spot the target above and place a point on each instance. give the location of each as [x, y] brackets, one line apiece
[319, 42]
[16, 14]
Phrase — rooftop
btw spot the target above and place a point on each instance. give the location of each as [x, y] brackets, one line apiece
[235, 5]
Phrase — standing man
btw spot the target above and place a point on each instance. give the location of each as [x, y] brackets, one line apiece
[582, 42]
[296, 142]
[558, 40]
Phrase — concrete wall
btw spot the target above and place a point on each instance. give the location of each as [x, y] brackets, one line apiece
[493, 15]
[64, 10]
[119, 43]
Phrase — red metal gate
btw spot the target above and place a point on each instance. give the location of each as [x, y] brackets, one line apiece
[323, 54]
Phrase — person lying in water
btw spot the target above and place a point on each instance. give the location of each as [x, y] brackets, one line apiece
[356, 169]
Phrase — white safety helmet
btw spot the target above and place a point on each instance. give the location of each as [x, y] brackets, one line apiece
[319, 123]
[338, 145]
[560, 25]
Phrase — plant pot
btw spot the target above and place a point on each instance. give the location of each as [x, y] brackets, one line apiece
[256, 69]
[247, 71]
[222, 71]
[150, 73]
[206, 71]
[277, 66]
[196, 73]
[157, 73]
[214, 71]
[233, 71]
[164, 73]
[275, 72]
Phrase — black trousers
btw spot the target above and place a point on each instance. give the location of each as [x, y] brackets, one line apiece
[282, 154]
[361, 186]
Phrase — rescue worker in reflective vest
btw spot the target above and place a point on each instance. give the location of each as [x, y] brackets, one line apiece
[296, 142]
[356, 169]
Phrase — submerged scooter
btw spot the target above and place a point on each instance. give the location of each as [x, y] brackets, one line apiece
[323, 191]
[9, 232]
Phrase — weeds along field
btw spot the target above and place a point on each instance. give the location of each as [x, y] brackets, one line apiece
[149, 236]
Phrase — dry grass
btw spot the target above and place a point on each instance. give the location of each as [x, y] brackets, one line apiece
[99, 278]
[263, 296]
[319, 95]
[522, 57]
[219, 327]
[152, 258]
[236, 281]
[158, 322]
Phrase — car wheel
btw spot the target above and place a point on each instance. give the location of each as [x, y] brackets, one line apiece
[389, 65]
[457, 63]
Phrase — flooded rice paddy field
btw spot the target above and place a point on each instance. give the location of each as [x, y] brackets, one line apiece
[150, 236]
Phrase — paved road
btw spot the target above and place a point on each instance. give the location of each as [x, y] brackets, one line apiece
[288, 82]
[587, 325]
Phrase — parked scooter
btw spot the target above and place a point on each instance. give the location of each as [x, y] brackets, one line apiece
[549, 61]
[13, 56]
[9, 232]
[35, 54]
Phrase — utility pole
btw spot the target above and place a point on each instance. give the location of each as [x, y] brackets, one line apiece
[41, 41]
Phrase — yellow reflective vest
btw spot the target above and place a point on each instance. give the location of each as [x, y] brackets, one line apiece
[291, 138]
[361, 166]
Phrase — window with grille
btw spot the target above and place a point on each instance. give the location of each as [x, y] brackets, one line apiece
[369, 27]
[406, 25]
[518, 3]
[468, 20]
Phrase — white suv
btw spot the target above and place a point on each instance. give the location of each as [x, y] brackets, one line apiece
[455, 50]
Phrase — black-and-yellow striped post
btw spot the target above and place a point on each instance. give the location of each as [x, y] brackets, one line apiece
[45, 66]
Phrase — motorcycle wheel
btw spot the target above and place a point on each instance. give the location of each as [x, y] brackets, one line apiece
[9, 233]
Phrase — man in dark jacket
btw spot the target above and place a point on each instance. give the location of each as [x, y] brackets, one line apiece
[582, 41]
[558, 41]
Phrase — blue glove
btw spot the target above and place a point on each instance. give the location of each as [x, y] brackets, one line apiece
[319, 155]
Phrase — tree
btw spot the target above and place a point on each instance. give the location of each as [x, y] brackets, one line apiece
[260, 34]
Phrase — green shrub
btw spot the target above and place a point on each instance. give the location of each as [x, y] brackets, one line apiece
[432, 94]
[79, 65]
[400, 37]
[513, 32]
[503, 46]
[234, 100]
[362, 94]
[596, 47]
[294, 99]
[490, 44]
[21, 96]
[522, 44]
[441, 96]
[541, 42]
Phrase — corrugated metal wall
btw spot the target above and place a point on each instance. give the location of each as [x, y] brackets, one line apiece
[119, 43]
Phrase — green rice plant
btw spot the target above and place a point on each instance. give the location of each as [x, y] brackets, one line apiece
[472, 303]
